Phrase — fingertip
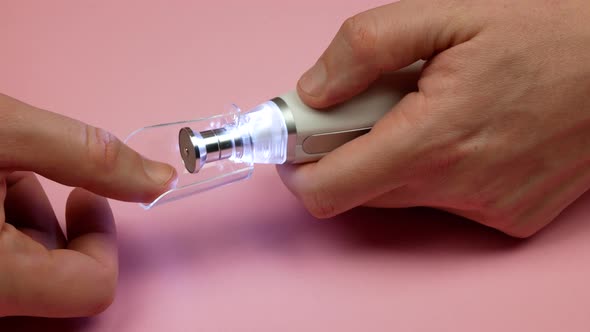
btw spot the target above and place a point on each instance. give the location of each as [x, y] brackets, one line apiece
[311, 101]
[159, 173]
[313, 81]
[294, 177]
[139, 179]
[337, 87]
[311, 87]
[317, 197]
[155, 190]
[161, 178]
[285, 172]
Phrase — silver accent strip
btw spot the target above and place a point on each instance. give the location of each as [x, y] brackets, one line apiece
[291, 127]
[327, 142]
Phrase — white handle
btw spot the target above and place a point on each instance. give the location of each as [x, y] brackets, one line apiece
[320, 131]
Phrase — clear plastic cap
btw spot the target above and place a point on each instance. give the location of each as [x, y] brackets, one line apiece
[160, 142]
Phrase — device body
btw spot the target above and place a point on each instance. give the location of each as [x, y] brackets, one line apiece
[286, 130]
[313, 133]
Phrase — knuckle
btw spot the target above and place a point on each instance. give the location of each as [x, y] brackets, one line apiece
[443, 160]
[360, 34]
[319, 203]
[102, 147]
[443, 163]
[416, 116]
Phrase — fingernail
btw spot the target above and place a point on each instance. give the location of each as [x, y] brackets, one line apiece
[314, 80]
[158, 172]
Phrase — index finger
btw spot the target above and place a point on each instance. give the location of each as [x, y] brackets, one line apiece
[77, 154]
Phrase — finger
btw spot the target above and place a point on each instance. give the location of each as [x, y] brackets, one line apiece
[77, 154]
[91, 227]
[28, 209]
[73, 282]
[337, 182]
[383, 39]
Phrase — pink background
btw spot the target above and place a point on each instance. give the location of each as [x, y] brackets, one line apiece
[248, 257]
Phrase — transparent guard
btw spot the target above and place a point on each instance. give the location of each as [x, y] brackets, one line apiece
[160, 142]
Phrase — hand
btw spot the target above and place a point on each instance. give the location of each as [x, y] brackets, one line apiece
[41, 272]
[498, 131]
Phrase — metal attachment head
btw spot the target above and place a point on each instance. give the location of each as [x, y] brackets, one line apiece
[192, 151]
[199, 148]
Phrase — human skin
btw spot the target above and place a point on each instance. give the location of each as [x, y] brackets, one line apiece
[43, 272]
[498, 131]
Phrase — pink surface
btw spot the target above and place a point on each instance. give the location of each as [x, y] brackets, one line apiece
[248, 257]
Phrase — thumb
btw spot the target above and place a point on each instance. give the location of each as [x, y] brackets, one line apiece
[382, 39]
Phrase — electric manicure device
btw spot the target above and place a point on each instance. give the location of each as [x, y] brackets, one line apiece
[222, 149]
